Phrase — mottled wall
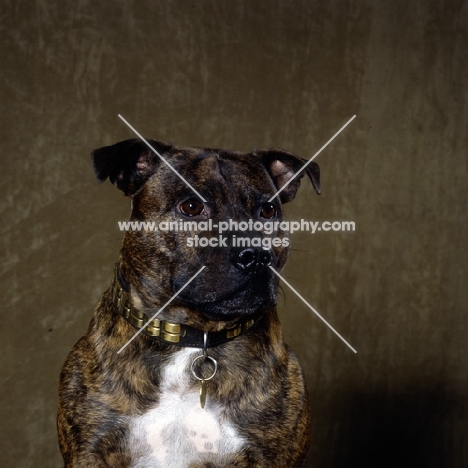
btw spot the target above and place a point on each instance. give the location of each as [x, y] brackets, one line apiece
[245, 74]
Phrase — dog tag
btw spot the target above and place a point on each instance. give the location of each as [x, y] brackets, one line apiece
[203, 394]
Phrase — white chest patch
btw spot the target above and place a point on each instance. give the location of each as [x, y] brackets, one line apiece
[178, 432]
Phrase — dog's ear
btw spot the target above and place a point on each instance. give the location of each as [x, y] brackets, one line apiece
[127, 164]
[283, 166]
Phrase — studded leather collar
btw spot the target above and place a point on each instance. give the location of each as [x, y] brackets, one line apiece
[169, 332]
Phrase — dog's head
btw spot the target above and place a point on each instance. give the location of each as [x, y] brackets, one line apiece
[181, 195]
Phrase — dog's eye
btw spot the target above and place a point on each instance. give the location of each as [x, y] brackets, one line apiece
[268, 210]
[192, 207]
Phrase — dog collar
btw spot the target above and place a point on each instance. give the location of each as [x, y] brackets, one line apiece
[169, 332]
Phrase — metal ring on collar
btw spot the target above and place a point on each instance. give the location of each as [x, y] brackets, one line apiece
[213, 360]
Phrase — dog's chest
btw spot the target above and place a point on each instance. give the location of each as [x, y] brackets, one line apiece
[178, 432]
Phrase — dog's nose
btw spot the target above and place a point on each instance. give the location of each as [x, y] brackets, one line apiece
[251, 260]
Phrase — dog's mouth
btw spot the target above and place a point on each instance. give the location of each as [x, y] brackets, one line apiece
[240, 304]
[228, 300]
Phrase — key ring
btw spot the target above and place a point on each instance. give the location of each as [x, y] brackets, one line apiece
[213, 360]
[201, 379]
[204, 356]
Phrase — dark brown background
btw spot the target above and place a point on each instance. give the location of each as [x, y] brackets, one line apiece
[245, 74]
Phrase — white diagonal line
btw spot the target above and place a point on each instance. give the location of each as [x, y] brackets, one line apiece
[156, 152]
[161, 309]
[312, 158]
[313, 310]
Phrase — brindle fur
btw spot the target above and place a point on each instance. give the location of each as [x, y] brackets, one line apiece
[259, 381]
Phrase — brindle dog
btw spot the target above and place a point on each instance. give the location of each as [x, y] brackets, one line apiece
[161, 402]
